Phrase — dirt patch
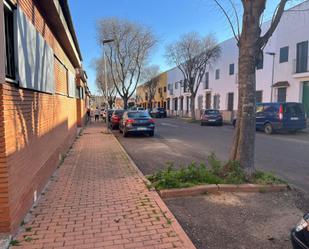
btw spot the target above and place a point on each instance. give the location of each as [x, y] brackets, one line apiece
[240, 220]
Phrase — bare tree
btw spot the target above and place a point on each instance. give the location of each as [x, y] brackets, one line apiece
[109, 93]
[193, 54]
[251, 42]
[127, 54]
[151, 76]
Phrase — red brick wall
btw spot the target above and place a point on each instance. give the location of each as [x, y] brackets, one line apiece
[35, 129]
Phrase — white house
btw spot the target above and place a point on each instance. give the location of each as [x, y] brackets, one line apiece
[287, 48]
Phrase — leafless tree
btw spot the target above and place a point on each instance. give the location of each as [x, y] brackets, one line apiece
[193, 54]
[151, 77]
[127, 54]
[109, 93]
[251, 42]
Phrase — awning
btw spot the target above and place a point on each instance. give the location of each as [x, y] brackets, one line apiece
[281, 84]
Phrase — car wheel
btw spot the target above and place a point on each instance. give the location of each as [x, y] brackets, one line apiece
[151, 134]
[268, 129]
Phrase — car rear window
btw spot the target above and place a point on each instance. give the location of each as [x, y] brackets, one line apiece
[138, 115]
[294, 108]
[118, 112]
[212, 112]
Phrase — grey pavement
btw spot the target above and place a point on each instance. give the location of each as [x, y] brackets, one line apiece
[182, 142]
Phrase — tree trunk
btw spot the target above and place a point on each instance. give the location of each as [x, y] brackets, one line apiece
[243, 148]
[125, 102]
[192, 107]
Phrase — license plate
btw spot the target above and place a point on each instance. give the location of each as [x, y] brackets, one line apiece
[141, 128]
[294, 118]
[212, 120]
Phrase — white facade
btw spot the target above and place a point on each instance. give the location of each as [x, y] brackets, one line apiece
[288, 85]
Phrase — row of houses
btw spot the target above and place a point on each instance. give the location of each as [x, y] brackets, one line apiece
[44, 97]
[282, 76]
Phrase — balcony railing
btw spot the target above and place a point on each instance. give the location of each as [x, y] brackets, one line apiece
[301, 65]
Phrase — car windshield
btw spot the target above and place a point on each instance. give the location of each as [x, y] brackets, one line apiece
[138, 115]
[294, 108]
[209, 112]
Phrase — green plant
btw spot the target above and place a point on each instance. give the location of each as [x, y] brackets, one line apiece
[15, 242]
[28, 239]
[215, 173]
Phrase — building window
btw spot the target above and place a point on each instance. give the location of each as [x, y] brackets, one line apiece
[207, 80]
[216, 102]
[284, 54]
[9, 41]
[217, 74]
[281, 94]
[302, 57]
[232, 69]
[260, 63]
[230, 101]
[258, 96]
[176, 85]
[164, 89]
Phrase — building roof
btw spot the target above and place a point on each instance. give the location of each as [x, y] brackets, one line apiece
[68, 18]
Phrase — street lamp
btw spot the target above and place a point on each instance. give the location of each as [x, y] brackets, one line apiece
[105, 81]
[273, 73]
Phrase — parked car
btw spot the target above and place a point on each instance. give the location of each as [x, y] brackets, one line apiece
[115, 118]
[158, 113]
[300, 234]
[272, 117]
[211, 116]
[103, 113]
[136, 122]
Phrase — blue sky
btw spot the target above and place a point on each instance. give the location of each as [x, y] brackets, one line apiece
[169, 19]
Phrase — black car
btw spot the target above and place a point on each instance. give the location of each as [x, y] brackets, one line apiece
[211, 116]
[136, 122]
[158, 112]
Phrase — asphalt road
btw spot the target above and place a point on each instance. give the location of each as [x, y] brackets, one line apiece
[181, 142]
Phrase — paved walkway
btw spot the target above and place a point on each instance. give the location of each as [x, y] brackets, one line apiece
[97, 199]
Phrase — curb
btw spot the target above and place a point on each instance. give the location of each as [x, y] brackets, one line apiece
[176, 226]
[216, 188]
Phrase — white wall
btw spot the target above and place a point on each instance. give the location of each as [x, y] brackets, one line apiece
[293, 28]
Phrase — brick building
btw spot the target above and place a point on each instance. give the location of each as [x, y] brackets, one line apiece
[43, 96]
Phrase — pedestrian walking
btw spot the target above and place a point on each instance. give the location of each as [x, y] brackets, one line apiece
[96, 114]
[88, 115]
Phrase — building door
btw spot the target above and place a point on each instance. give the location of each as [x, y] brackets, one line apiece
[306, 97]
[176, 104]
[181, 103]
[281, 94]
[230, 101]
[302, 57]
[208, 100]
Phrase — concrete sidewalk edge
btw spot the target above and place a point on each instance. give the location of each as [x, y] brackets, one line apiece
[165, 210]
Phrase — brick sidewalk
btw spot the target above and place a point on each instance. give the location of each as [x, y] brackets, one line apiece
[97, 199]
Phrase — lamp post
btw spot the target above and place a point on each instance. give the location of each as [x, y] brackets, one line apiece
[105, 81]
[273, 73]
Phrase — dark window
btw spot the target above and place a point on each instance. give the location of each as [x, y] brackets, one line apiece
[282, 94]
[176, 85]
[164, 89]
[181, 104]
[230, 102]
[168, 104]
[9, 42]
[209, 112]
[207, 80]
[269, 108]
[232, 69]
[302, 57]
[217, 74]
[260, 63]
[284, 54]
[138, 114]
[258, 96]
[294, 109]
